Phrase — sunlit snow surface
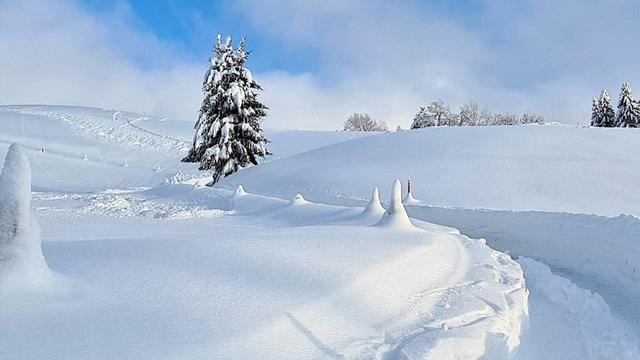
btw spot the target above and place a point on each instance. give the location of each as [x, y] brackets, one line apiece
[150, 264]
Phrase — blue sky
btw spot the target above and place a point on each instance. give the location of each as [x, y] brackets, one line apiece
[319, 61]
[191, 26]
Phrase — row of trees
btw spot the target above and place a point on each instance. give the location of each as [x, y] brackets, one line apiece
[438, 114]
[470, 114]
[628, 115]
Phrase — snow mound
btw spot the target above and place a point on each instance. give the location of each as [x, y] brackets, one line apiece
[374, 209]
[396, 216]
[239, 192]
[22, 263]
[298, 200]
[410, 200]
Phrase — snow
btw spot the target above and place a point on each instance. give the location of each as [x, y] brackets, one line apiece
[374, 209]
[396, 216]
[546, 168]
[147, 262]
[22, 264]
[146, 287]
[589, 329]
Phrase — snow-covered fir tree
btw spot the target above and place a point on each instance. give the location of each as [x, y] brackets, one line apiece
[228, 134]
[628, 112]
[596, 118]
[607, 114]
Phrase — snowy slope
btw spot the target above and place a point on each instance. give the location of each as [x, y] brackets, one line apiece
[152, 265]
[86, 148]
[244, 284]
[549, 168]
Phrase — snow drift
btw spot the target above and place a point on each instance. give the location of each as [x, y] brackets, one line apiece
[396, 216]
[21, 259]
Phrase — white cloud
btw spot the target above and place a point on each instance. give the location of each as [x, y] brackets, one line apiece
[385, 58]
[56, 53]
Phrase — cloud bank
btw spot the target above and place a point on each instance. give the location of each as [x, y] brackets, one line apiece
[53, 52]
[384, 58]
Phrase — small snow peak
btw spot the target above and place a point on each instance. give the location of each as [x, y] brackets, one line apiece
[239, 191]
[374, 207]
[298, 199]
[396, 216]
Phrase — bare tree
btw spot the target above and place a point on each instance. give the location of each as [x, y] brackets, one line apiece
[471, 114]
[364, 122]
[531, 118]
[441, 113]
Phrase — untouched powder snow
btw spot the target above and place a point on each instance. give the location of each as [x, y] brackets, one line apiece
[547, 168]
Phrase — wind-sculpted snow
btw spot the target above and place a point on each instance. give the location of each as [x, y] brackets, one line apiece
[22, 264]
[267, 278]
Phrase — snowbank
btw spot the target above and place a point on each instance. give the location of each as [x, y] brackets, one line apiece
[589, 330]
[596, 252]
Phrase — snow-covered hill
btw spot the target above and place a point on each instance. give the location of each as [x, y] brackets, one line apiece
[149, 264]
[88, 149]
[548, 168]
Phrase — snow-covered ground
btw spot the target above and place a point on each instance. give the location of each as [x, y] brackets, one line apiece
[148, 263]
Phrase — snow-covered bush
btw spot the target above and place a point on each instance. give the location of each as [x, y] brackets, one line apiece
[364, 122]
[21, 259]
[228, 135]
[435, 114]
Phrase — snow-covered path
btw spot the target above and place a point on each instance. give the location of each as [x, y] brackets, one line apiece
[596, 252]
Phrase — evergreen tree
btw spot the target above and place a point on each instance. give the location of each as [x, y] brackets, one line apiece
[228, 135]
[607, 114]
[596, 118]
[627, 108]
